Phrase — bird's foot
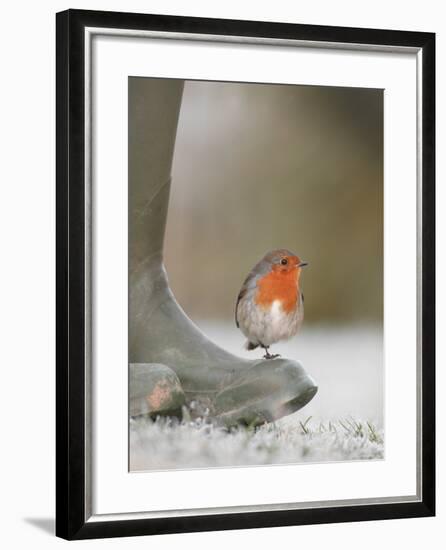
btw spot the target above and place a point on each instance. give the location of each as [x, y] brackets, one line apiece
[271, 355]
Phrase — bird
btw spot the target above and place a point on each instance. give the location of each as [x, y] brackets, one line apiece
[270, 304]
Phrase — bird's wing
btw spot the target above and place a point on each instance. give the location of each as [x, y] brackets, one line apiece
[250, 284]
[239, 297]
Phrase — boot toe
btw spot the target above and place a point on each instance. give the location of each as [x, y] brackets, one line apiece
[266, 392]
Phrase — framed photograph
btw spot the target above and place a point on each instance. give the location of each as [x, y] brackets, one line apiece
[245, 274]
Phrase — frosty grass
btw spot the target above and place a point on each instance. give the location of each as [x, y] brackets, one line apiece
[169, 444]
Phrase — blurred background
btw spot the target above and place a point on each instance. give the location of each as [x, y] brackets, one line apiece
[258, 167]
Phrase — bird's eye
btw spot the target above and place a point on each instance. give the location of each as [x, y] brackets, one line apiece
[284, 261]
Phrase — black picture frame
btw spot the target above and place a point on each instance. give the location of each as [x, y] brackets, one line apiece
[71, 519]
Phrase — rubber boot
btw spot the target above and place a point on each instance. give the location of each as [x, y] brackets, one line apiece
[154, 390]
[233, 390]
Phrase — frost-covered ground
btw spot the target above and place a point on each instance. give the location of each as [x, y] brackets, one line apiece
[343, 422]
[164, 445]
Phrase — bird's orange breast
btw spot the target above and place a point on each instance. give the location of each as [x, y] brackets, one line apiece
[277, 285]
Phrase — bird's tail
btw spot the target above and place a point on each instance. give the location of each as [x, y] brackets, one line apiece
[250, 346]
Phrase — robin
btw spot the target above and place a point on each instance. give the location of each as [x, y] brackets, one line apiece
[270, 304]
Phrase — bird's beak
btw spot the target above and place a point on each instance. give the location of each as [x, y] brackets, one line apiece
[302, 264]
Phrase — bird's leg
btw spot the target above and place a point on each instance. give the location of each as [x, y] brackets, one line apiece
[269, 355]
